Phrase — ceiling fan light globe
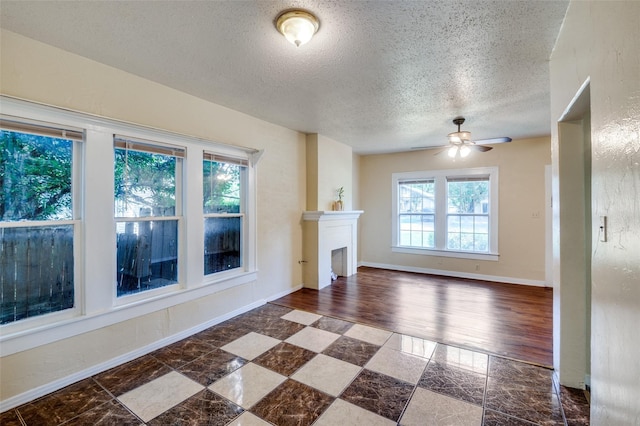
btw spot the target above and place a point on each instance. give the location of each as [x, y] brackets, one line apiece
[451, 152]
[464, 151]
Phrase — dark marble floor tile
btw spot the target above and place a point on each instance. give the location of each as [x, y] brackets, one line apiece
[292, 403]
[270, 309]
[285, 358]
[125, 377]
[378, 393]
[352, 350]
[183, 352]
[221, 334]
[537, 407]
[575, 405]
[108, 414]
[203, 409]
[454, 382]
[493, 418]
[520, 375]
[333, 325]
[65, 404]
[256, 317]
[10, 418]
[212, 366]
[278, 328]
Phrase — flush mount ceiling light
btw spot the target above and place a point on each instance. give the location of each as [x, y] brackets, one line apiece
[297, 26]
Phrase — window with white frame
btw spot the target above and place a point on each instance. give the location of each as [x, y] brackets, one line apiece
[224, 182]
[66, 187]
[147, 213]
[39, 217]
[446, 213]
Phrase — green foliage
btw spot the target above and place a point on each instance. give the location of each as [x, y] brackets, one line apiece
[467, 196]
[144, 181]
[35, 177]
[221, 187]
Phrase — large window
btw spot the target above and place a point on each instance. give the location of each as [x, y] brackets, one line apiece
[38, 218]
[147, 212]
[224, 208]
[447, 213]
[96, 225]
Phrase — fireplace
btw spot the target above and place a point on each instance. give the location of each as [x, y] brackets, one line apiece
[330, 243]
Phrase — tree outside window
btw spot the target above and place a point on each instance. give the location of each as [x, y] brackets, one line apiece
[36, 225]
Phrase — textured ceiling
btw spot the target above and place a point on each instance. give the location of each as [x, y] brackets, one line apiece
[380, 76]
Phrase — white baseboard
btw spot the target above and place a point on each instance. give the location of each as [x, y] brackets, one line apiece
[32, 394]
[285, 293]
[455, 274]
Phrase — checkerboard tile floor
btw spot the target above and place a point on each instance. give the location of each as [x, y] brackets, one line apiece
[277, 366]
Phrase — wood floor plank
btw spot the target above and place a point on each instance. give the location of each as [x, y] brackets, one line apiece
[509, 320]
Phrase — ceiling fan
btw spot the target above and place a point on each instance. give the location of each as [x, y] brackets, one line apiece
[460, 143]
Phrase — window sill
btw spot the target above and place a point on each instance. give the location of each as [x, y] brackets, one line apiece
[14, 342]
[446, 253]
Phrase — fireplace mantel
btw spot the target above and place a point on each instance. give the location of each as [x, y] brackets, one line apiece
[325, 231]
[331, 215]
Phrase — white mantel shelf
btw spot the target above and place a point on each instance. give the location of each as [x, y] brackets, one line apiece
[318, 216]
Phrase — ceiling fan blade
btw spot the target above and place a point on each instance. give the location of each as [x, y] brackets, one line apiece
[481, 148]
[418, 148]
[492, 140]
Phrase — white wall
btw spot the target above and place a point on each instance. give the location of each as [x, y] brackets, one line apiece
[600, 41]
[41, 73]
[521, 235]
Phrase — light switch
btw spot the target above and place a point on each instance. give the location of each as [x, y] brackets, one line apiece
[603, 229]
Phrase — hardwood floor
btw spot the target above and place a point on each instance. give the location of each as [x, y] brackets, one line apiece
[514, 321]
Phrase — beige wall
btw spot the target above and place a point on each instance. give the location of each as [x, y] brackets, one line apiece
[329, 167]
[41, 73]
[599, 41]
[522, 195]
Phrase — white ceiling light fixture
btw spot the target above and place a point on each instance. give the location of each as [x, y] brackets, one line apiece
[298, 26]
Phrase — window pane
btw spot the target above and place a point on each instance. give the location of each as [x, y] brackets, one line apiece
[147, 255]
[467, 196]
[221, 187]
[222, 238]
[35, 177]
[36, 271]
[145, 184]
[416, 197]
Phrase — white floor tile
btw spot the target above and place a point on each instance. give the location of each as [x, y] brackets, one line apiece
[302, 317]
[411, 345]
[327, 374]
[313, 339]
[248, 419]
[430, 408]
[462, 358]
[159, 395]
[368, 334]
[397, 364]
[251, 345]
[344, 413]
[247, 385]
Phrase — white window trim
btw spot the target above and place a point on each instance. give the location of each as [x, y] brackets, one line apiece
[100, 308]
[440, 178]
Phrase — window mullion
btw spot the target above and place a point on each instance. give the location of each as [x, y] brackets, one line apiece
[441, 212]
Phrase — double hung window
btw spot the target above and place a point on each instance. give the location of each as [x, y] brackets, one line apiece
[147, 213]
[224, 200]
[446, 213]
[39, 218]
